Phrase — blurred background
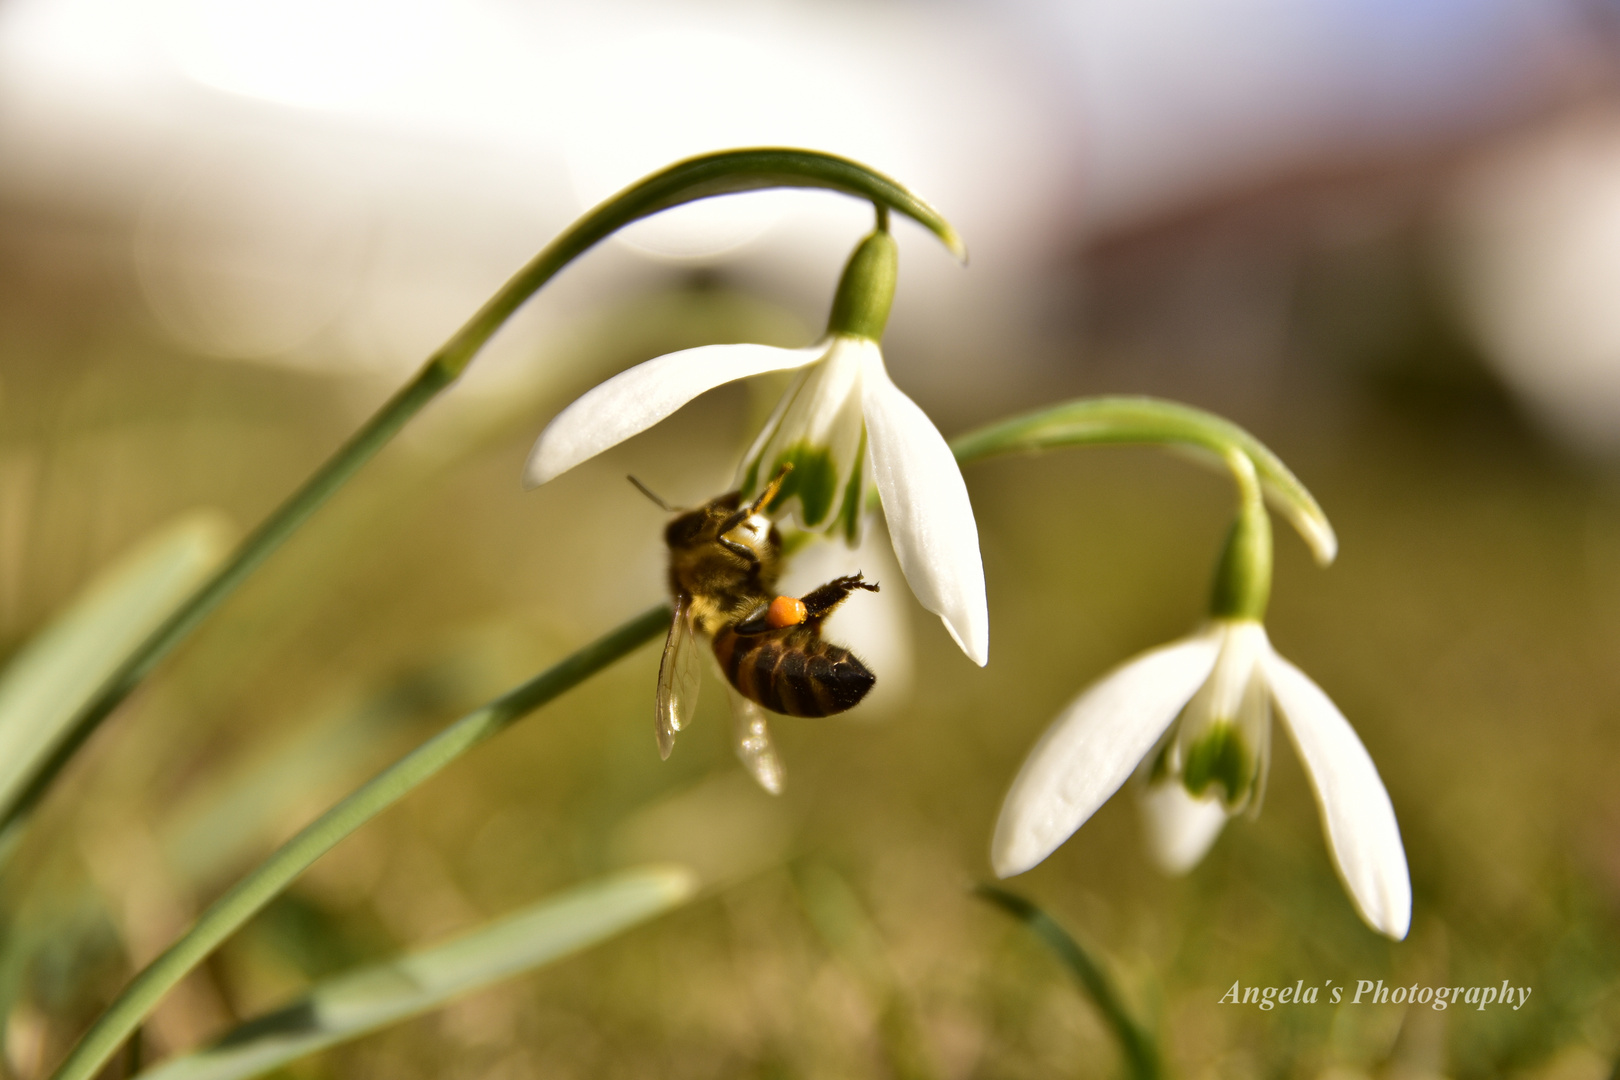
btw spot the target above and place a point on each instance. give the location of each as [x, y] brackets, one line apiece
[1383, 236]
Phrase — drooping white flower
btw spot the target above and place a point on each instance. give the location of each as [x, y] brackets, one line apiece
[1193, 719]
[843, 425]
[1203, 703]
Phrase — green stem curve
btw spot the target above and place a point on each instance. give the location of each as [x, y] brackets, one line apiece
[1122, 420]
[266, 881]
[709, 175]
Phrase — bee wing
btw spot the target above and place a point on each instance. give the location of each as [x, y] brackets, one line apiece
[679, 677]
[754, 748]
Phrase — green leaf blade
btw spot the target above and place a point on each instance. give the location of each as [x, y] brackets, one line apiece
[56, 673]
[363, 1001]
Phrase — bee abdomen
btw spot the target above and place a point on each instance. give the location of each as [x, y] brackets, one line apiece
[794, 673]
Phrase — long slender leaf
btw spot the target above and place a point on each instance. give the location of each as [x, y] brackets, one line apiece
[703, 177]
[267, 880]
[1136, 1043]
[1105, 420]
[374, 997]
[52, 677]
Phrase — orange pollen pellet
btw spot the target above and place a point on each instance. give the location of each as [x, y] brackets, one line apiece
[786, 611]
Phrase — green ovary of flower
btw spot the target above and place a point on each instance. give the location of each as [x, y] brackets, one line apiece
[1219, 757]
[813, 479]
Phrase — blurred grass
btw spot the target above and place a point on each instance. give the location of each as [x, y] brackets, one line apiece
[1468, 631]
[367, 999]
[47, 681]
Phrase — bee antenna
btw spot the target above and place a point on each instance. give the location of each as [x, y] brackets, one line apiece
[772, 488]
[647, 491]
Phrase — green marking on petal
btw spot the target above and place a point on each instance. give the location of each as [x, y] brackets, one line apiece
[850, 512]
[1219, 757]
[814, 481]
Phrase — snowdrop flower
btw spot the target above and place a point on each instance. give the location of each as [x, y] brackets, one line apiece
[1194, 720]
[844, 427]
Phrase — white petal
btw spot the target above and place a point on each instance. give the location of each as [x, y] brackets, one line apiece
[1180, 828]
[752, 738]
[634, 400]
[927, 508]
[1356, 812]
[1092, 747]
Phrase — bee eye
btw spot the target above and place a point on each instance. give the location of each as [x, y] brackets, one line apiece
[684, 530]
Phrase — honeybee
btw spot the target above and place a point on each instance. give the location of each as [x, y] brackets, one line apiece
[724, 560]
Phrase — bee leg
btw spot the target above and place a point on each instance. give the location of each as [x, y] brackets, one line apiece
[819, 603]
[755, 622]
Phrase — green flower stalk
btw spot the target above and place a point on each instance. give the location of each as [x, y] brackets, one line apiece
[1146, 421]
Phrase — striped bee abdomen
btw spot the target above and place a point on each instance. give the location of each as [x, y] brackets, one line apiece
[792, 670]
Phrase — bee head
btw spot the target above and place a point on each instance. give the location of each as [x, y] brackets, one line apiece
[721, 522]
[706, 524]
[726, 522]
